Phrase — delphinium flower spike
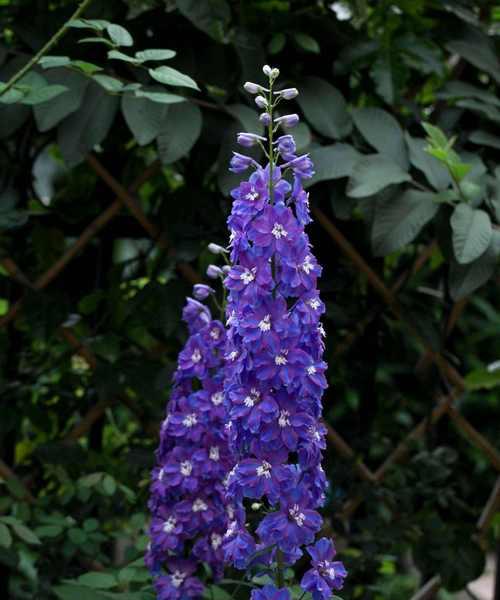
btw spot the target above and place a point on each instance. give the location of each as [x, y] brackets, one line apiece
[189, 511]
[275, 373]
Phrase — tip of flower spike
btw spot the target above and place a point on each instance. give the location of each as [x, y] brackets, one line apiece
[271, 72]
[216, 249]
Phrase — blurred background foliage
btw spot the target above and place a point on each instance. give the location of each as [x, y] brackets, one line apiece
[120, 140]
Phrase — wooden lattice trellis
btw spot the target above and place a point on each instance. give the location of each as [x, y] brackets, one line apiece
[444, 405]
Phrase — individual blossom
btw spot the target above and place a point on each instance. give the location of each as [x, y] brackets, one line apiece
[269, 592]
[326, 574]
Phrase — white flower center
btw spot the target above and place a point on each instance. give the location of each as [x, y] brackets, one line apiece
[186, 468]
[214, 453]
[283, 420]
[177, 578]
[264, 470]
[231, 529]
[252, 398]
[265, 324]
[199, 505]
[217, 398]
[216, 540]
[298, 516]
[321, 330]
[196, 356]
[190, 420]
[314, 433]
[215, 334]
[233, 355]
[307, 265]
[279, 231]
[253, 195]
[247, 276]
[160, 474]
[280, 360]
[311, 370]
[169, 525]
[314, 303]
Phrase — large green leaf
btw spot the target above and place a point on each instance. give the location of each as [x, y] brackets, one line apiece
[211, 16]
[88, 126]
[399, 218]
[482, 379]
[144, 117]
[324, 108]
[76, 592]
[434, 171]
[5, 536]
[373, 173]
[479, 50]
[465, 279]
[181, 129]
[332, 162]
[472, 232]
[170, 76]
[119, 35]
[484, 138]
[49, 114]
[247, 117]
[95, 579]
[461, 89]
[383, 132]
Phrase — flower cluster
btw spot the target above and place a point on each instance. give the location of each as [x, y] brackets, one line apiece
[189, 511]
[274, 372]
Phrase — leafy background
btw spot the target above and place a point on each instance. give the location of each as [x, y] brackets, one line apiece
[86, 362]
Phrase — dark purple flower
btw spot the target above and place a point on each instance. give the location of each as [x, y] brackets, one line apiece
[269, 592]
[326, 574]
[202, 291]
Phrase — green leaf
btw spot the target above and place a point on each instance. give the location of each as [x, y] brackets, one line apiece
[76, 592]
[325, 108]
[373, 173]
[5, 536]
[247, 117]
[96, 40]
[49, 531]
[91, 479]
[383, 132]
[211, 16]
[479, 50]
[49, 62]
[399, 218]
[436, 173]
[77, 536]
[461, 89]
[109, 485]
[97, 580]
[306, 42]
[277, 43]
[484, 138]
[332, 162]
[144, 117]
[490, 112]
[181, 129]
[43, 94]
[169, 76]
[482, 379]
[96, 24]
[48, 115]
[160, 97]
[465, 279]
[472, 232]
[145, 55]
[117, 55]
[88, 126]
[382, 74]
[86, 67]
[23, 532]
[436, 136]
[119, 35]
[215, 592]
[110, 84]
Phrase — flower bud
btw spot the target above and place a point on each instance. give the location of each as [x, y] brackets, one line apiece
[287, 120]
[267, 70]
[261, 102]
[252, 88]
[249, 139]
[216, 249]
[214, 272]
[226, 269]
[286, 147]
[240, 162]
[275, 73]
[265, 119]
[288, 93]
[202, 291]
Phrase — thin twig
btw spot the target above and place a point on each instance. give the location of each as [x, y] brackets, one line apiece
[48, 46]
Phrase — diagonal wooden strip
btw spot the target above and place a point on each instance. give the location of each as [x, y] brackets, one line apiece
[473, 436]
[88, 233]
[429, 590]
[93, 415]
[447, 370]
[345, 450]
[7, 473]
[131, 203]
[490, 509]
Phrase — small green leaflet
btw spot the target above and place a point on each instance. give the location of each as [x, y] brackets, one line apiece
[170, 76]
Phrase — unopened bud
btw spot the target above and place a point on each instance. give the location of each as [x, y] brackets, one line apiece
[265, 118]
[249, 139]
[226, 269]
[267, 70]
[261, 102]
[288, 93]
[252, 88]
[287, 120]
[216, 249]
[202, 291]
[214, 272]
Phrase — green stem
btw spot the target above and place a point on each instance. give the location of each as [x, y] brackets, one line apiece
[48, 46]
[280, 580]
[270, 136]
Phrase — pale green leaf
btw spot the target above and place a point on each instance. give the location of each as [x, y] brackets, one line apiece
[435, 173]
[373, 173]
[117, 55]
[306, 42]
[332, 162]
[145, 55]
[95, 579]
[181, 129]
[119, 35]
[161, 97]
[144, 117]
[472, 232]
[110, 84]
[49, 62]
[169, 76]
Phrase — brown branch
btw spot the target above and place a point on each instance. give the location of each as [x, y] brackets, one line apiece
[345, 450]
[7, 473]
[84, 425]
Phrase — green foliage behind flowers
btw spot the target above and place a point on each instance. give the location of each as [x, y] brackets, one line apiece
[402, 119]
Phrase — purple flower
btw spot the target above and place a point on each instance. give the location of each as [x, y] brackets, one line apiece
[287, 120]
[275, 230]
[249, 139]
[269, 592]
[179, 583]
[202, 291]
[286, 147]
[326, 574]
[240, 162]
